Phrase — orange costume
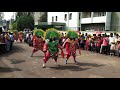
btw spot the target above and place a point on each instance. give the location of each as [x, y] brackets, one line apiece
[15, 36]
[20, 36]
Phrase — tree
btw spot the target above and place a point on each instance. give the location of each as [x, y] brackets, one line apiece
[19, 14]
[14, 26]
[25, 21]
[43, 18]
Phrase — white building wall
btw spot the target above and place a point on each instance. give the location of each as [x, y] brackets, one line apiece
[60, 16]
[86, 20]
[71, 24]
[99, 19]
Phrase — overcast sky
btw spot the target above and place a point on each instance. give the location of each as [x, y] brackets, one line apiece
[8, 15]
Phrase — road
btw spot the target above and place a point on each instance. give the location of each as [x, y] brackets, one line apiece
[19, 64]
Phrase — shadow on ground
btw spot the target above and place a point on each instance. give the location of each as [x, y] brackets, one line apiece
[76, 67]
[14, 61]
[16, 49]
[72, 68]
[89, 64]
[38, 56]
[8, 69]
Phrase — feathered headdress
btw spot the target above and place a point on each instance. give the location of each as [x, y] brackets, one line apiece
[72, 34]
[52, 33]
[39, 32]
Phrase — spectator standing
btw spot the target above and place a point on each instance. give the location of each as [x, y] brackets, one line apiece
[11, 40]
[7, 41]
[105, 44]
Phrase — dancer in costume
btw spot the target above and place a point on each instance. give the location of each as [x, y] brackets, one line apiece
[38, 40]
[51, 47]
[71, 45]
[15, 34]
[21, 36]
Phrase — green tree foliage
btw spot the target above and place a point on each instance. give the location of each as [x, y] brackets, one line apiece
[14, 26]
[25, 21]
[43, 18]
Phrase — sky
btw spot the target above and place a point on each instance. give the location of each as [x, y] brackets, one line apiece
[8, 15]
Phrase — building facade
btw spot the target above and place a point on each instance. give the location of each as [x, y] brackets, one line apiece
[86, 21]
[95, 21]
[69, 18]
[115, 21]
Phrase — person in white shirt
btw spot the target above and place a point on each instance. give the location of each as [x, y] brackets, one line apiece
[111, 40]
[116, 38]
[27, 36]
[112, 49]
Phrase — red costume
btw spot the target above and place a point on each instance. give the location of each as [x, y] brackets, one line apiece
[52, 46]
[48, 54]
[38, 44]
[87, 44]
[20, 36]
[71, 46]
[15, 36]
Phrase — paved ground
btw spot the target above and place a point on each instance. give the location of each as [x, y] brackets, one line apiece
[19, 64]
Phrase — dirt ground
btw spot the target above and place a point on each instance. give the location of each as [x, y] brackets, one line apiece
[18, 64]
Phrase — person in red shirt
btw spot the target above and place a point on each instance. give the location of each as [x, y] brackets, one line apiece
[87, 43]
[105, 44]
[98, 45]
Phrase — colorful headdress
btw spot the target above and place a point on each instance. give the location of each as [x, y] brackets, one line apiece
[39, 32]
[10, 31]
[72, 34]
[52, 33]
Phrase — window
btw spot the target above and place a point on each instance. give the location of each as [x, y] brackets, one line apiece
[65, 18]
[52, 19]
[56, 18]
[104, 13]
[101, 13]
[70, 16]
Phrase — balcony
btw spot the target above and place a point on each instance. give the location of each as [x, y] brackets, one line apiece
[86, 20]
[99, 19]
